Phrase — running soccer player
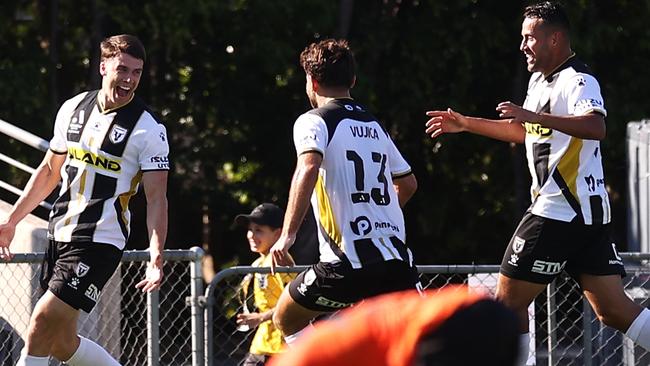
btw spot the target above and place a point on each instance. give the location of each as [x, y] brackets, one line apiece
[567, 227]
[357, 180]
[105, 143]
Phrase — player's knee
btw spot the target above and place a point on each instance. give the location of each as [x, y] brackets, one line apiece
[278, 318]
[42, 328]
[64, 346]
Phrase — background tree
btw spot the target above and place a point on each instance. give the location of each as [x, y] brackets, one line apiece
[224, 76]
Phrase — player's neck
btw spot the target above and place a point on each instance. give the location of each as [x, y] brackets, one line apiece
[321, 100]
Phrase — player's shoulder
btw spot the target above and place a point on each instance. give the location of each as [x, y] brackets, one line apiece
[148, 119]
[344, 108]
[73, 102]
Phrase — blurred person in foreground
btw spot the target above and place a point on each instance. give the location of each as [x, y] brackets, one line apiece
[357, 181]
[452, 327]
[106, 142]
[567, 226]
[264, 226]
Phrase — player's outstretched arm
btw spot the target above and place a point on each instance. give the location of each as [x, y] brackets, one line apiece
[39, 186]
[450, 121]
[155, 188]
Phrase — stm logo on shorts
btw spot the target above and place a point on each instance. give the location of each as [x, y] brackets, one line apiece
[92, 293]
[548, 268]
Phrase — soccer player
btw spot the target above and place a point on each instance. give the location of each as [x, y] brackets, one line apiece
[447, 328]
[264, 225]
[105, 143]
[357, 180]
[567, 227]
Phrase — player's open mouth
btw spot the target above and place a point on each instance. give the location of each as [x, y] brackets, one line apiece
[122, 91]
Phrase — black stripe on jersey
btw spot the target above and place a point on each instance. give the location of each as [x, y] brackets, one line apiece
[541, 152]
[77, 125]
[596, 203]
[402, 175]
[574, 63]
[401, 248]
[60, 207]
[122, 126]
[103, 188]
[566, 192]
[367, 252]
[123, 225]
[339, 109]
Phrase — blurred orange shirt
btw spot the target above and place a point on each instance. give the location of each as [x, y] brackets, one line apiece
[380, 331]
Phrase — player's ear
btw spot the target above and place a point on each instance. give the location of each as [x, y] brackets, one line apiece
[102, 68]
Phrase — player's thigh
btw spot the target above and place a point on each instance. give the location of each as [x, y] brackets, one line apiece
[517, 294]
[51, 319]
[609, 301]
[289, 316]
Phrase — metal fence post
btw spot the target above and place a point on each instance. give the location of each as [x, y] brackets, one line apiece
[551, 325]
[587, 316]
[196, 290]
[153, 328]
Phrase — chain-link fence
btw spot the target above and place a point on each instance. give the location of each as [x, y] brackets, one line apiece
[566, 332]
[161, 328]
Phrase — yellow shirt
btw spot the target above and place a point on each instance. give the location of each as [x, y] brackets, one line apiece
[267, 289]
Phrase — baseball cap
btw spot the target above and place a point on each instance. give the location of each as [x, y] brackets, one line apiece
[264, 214]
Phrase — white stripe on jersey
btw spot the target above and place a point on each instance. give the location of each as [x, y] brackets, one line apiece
[106, 155]
[567, 172]
[354, 200]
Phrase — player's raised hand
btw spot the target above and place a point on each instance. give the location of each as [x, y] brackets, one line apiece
[154, 274]
[516, 112]
[447, 121]
[7, 232]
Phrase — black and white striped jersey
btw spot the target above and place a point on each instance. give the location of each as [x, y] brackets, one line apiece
[354, 201]
[567, 171]
[106, 156]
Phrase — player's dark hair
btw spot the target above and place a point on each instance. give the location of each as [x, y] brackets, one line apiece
[483, 333]
[123, 43]
[551, 13]
[330, 62]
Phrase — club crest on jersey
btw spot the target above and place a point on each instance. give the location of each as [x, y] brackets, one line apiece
[518, 244]
[82, 269]
[117, 134]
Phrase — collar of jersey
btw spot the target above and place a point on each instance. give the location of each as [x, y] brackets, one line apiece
[561, 67]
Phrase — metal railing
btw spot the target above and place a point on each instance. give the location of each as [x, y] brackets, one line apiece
[565, 330]
[164, 327]
[29, 139]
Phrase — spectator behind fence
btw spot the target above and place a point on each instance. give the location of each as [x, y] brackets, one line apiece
[452, 327]
[262, 290]
[105, 143]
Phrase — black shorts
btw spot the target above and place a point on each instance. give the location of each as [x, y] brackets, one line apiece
[542, 248]
[77, 272]
[332, 286]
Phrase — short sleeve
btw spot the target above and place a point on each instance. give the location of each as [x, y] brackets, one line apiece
[154, 155]
[399, 167]
[583, 96]
[59, 141]
[310, 134]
